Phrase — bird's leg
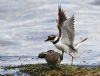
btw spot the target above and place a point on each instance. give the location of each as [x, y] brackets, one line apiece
[72, 59]
[62, 53]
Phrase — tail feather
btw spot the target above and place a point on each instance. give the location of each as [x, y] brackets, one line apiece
[79, 43]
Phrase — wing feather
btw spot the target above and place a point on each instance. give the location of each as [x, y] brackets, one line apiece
[67, 31]
[61, 18]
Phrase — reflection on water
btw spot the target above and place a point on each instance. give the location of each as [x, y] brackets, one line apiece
[96, 2]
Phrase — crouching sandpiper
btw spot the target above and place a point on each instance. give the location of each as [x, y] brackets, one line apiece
[52, 58]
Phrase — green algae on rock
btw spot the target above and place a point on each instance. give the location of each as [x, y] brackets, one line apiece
[61, 70]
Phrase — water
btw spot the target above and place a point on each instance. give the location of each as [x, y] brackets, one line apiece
[24, 25]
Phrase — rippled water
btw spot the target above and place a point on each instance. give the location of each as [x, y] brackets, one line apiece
[24, 25]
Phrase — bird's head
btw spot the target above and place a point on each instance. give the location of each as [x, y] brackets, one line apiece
[51, 38]
[42, 55]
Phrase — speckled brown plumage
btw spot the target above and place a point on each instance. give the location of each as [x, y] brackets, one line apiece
[52, 57]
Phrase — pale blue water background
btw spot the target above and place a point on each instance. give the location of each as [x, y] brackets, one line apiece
[25, 24]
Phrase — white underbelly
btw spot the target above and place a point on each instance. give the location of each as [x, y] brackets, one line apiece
[62, 47]
[65, 48]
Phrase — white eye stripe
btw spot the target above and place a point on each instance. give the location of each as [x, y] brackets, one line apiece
[55, 38]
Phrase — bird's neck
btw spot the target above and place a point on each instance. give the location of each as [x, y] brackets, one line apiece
[55, 40]
[61, 56]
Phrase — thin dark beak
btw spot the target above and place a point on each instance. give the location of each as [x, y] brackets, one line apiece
[46, 40]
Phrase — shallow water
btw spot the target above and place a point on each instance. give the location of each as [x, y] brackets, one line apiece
[24, 25]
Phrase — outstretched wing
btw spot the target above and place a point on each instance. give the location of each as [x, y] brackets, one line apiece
[67, 31]
[61, 18]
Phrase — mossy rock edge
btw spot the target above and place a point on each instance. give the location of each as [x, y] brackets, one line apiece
[61, 70]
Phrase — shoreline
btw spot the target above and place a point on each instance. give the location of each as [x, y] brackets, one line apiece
[61, 70]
